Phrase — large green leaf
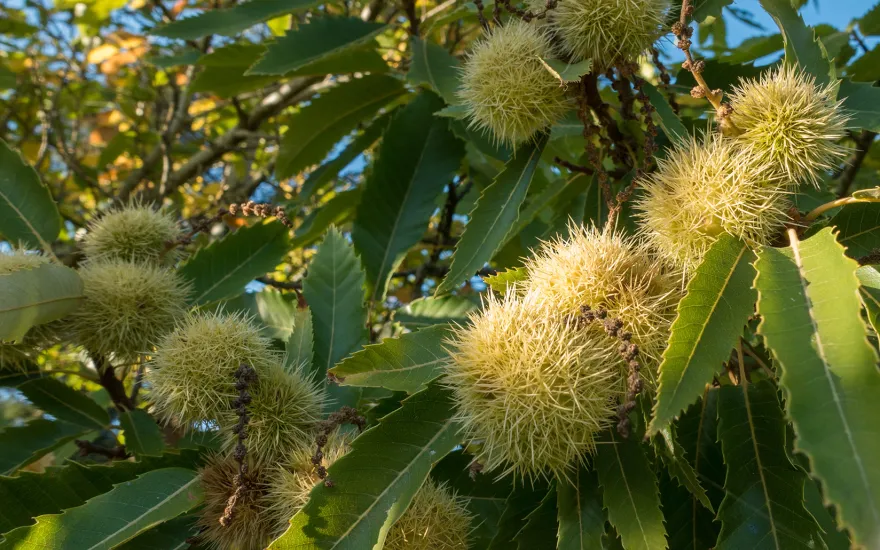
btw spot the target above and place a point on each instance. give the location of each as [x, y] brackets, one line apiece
[231, 21]
[376, 480]
[862, 101]
[222, 269]
[801, 47]
[24, 444]
[540, 528]
[300, 347]
[405, 363]
[313, 131]
[114, 517]
[809, 306]
[171, 535]
[29, 494]
[581, 520]
[859, 228]
[669, 121]
[434, 66]
[426, 312]
[417, 159]
[336, 211]
[35, 296]
[334, 290]
[630, 492]
[28, 213]
[763, 505]
[520, 503]
[688, 527]
[710, 319]
[64, 403]
[496, 211]
[322, 38]
[143, 437]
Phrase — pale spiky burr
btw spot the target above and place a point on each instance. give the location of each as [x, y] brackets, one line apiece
[436, 519]
[136, 233]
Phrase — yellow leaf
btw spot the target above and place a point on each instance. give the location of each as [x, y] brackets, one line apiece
[279, 25]
[102, 53]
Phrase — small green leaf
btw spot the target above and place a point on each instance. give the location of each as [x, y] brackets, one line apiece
[678, 467]
[567, 72]
[370, 491]
[24, 444]
[810, 319]
[114, 517]
[496, 211]
[503, 279]
[143, 437]
[869, 289]
[313, 131]
[35, 296]
[669, 121]
[457, 112]
[540, 526]
[859, 228]
[223, 268]
[28, 213]
[434, 66]
[862, 101]
[801, 47]
[64, 403]
[426, 312]
[417, 159]
[870, 22]
[867, 67]
[763, 505]
[405, 363]
[321, 39]
[300, 345]
[581, 520]
[710, 319]
[630, 492]
[224, 71]
[230, 21]
[336, 211]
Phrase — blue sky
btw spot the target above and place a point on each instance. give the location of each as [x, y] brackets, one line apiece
[838, 13]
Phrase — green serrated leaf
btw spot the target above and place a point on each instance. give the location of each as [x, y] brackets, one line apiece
[24, 444]
[334, 290]
[669, 121]
[426, 312]
[810, 319]
[434, 66]
[581, 520]
[406, 363]
[763, 504]
[690, 526]
[859, 228]
[321, 39]
[520, 503]
[567, 72]
[28, 213]
[230, 21]
[300, 345]
[867, 67]
[540, 528]
[869, 290]
[870, 22]
[456, 112]
[801, 47]
[222, 269]
[64, 403]
[862, 101]
[709, 322]
[336, 211]
[503, 279]
[417, 159]
[313, 131]
[678, 467]
[224, 71]
[143, 437]
[370, 491]
[171, 535]
[35, 296]
[630, 492]
[29, 494]
[114, 517]
[496, 211]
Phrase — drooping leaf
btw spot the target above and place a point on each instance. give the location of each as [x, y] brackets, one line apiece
[64, 403]
[426, 312]
[540, 526]
[630, 493]
[230, 21]
[417, 159]
[28, 213]
[869, 289]
[490, 221]
[405, 363]
[835, 539]
[143, 437]
[336, 211]
[114, 517]
[321, 39]
[300, 345]
[859, 228]
[371, 490]
[36, 296]
[754, 48]
[680, 469]
[581, 520]
[710, 319]
[434, 66]
[522, 501]
[763, 504]
[24, 444]
[222, 269]
[334, 290]
[810, 319]
[669, 121]
[801, 47]
[319, 126]
[171, 535]
[567, 72]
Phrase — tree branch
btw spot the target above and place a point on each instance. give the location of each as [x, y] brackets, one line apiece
[851, 170]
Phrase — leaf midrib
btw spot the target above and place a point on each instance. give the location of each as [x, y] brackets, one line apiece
[22, 217]
[238, 268]
[629, 492]
[65, 405]
[41, 303]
